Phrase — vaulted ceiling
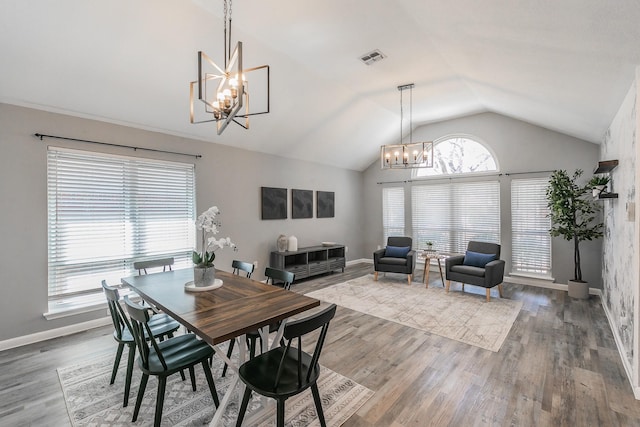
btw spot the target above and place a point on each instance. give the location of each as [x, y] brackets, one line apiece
[563, 65]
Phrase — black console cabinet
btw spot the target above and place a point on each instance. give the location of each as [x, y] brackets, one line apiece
[309, 261]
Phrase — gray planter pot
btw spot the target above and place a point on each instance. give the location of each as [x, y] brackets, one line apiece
[578, 290]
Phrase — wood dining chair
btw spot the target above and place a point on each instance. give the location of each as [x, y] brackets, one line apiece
[164, 358]
[287, 371]
[162, 326]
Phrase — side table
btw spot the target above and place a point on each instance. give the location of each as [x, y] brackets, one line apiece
[428, 256]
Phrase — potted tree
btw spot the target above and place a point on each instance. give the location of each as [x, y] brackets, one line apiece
[573, 216]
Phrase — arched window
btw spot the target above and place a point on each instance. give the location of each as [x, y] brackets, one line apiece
[458, 154]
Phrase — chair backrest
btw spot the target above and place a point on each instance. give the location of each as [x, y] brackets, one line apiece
[294, 330]
[142, 266]
[274, 274]
[400, 241]
[484, 248]
[119, 319]
[142, 332]
[238, 266]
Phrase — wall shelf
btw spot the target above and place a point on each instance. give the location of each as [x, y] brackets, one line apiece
[606, 166]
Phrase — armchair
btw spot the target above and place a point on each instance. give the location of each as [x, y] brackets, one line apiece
[395, 258]
[482, 267]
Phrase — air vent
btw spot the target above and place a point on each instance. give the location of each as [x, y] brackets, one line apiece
[373, 56]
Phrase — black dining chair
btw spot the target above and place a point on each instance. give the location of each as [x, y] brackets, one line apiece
[287, 371]
[142, 266]
[239, 266]
[286, 277]
[165, 358]
[161, 326]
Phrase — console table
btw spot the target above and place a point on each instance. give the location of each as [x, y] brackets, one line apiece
[309, 261]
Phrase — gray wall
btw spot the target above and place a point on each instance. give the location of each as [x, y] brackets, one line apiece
[227, 177]
[519, 147]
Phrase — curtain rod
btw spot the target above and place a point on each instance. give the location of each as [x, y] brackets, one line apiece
[435, 177]
[42, 136]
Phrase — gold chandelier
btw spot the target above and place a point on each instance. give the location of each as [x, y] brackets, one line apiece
[411, 155]
[225, 92]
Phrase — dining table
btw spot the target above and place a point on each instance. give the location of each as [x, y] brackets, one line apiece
[239, 306]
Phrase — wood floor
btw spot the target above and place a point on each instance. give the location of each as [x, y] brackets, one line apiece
[558, 367]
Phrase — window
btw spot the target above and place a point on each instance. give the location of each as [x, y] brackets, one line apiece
[530, 224]
[458, 155]
[106, 211]
[392, 212]
[452, 214]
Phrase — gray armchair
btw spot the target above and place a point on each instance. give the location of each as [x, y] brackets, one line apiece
[392, 260]
[466, 272]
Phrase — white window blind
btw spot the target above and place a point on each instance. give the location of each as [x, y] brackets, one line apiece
[106, 211]
[530, 224]
[450, 215]
[392, 212]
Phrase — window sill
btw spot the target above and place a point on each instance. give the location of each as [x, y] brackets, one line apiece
[73, 306]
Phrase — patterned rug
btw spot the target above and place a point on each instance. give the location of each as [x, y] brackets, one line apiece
[460, 316]
[91, 401]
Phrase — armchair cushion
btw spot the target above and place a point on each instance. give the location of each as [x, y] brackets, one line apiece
[397, 251]
[476, 259]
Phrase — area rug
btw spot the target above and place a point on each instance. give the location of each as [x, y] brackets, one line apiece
[460, 316]
[91, 401]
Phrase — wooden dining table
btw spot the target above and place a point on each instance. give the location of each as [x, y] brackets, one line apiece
[240, 305]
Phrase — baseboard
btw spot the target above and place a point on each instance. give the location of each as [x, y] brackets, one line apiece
[356, 261]
[53, 333]
[625, 362]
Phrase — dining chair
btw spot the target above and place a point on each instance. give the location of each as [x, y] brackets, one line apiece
[286, 277]
[164, 358]
[287, 371]
[142, 266]
[162, 326]
[247, 267]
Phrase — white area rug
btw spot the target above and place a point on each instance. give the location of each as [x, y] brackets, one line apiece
[91, 401]
[460, 316]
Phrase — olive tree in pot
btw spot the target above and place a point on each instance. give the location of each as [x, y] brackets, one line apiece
[573, 214]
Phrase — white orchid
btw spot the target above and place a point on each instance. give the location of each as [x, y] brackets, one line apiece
[209, 225]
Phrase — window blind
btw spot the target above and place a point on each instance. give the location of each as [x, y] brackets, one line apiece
[392, 212]
[530, 224]
[452, 214]
[106, 211]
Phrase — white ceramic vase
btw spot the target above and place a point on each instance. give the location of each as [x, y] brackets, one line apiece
[204, 276]
[293, 244]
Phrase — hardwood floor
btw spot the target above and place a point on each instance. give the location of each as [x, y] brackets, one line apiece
[558, 367]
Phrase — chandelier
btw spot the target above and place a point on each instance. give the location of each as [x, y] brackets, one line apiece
[411, 155]
[225, 91]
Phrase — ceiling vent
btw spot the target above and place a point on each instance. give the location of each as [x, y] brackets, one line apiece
[373, 56]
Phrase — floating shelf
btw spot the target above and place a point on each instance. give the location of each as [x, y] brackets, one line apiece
[606, 166]
[608, 196]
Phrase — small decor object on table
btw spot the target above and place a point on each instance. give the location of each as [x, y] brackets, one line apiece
[429, 246]
[204, 273]
[282, 243]
[293, 244]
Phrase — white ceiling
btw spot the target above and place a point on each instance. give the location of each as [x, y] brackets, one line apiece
[564, 65]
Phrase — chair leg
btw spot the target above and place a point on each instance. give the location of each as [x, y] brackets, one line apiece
[116, 363]
[448, 285]
[409, 278]
[488, 294]
[500, 290]
[232, 342]
[127, 384]
[318, 401]
[212, 385]
[463, 287]
[375, 276]
[143, 386]
[243, 407]
[192, 374]
[162, 385]
[280, 413]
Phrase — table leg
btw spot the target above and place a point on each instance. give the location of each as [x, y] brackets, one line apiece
[242, 356]
[440, 268]
[425, 274]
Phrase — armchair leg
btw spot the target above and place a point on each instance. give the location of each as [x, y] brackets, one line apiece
[463, 287]
[488, 294]
[375, 276]
[448, 284]
[409, 279]
[500, 290]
